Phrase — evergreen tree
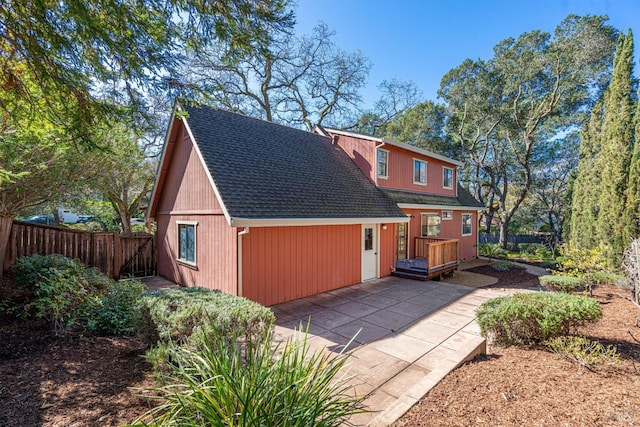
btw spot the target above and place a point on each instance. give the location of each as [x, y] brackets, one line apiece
[615, 153]
[631, 219]
[584, 201]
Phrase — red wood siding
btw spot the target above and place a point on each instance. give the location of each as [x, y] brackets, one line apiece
[286, 263]
[187, 188]
[401, 172]
[216, 253]
[387, 249]
[188, 196]
[362, 152]
[451, 229]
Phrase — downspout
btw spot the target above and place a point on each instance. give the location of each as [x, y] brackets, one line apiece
[375, 180]
[240, 234]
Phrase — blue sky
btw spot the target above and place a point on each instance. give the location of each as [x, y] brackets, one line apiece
[422, 40]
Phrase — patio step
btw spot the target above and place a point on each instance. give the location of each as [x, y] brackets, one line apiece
[407, 274]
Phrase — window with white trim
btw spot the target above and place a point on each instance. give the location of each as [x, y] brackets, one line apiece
[467, 220]
[447, 177]
[447, 215]
[187, 242]
[383, 163]
[419, 172]
[430, 224]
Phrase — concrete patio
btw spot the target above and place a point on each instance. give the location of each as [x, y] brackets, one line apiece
[408, 336]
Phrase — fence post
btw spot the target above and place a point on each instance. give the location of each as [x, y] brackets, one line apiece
[5, 232]
[117, 256]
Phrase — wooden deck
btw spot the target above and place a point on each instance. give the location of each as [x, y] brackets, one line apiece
[433, 258]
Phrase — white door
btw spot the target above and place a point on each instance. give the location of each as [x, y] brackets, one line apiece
[369, 252]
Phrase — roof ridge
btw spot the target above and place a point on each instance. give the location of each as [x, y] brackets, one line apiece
[258, 119]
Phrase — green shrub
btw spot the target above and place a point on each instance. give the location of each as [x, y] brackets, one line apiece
[504, 266]
[491, 250]
[559, 283]
[62, 298]
[191, 315]
[217, 384]
[62, 290]
[578, 262]
[584, 351]
[113, 312]
[606, 278]
[527, 318]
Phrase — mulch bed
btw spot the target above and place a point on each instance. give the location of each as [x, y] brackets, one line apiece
[74, 380]
[531, 386]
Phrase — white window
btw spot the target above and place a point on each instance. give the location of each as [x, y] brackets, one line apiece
[383, 163]
[447, 215]
[467, 224]
[419, 172]
[187, 242]
[430, 225]
[447, 177]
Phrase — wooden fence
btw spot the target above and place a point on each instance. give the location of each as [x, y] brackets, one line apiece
[114, 254]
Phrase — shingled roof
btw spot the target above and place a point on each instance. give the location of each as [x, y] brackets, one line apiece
[464, 199]
[266, 171]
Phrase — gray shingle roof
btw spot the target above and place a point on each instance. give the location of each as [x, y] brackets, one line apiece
[464, 199]
[268, 171]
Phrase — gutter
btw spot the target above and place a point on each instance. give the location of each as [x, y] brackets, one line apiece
[240, 234]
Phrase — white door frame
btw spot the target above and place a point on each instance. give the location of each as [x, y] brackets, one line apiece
[368, 271]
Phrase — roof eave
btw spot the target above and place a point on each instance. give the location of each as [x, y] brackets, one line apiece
[298, 222]
[395, 143]
[439, 207]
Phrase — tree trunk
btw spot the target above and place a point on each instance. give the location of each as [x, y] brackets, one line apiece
[5, 233]
[504, 234]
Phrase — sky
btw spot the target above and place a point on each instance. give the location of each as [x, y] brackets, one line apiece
[421, 40]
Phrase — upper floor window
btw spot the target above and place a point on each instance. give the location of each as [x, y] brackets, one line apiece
[430, 224]
[447, 177]
[187, 242]
[419, 172]
[383, 163]
[448, 215]
[466, 224]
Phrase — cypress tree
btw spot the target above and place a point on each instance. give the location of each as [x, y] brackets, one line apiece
[585, 190]
[615, 154]
[631, 219]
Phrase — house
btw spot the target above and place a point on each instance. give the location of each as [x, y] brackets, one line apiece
[274, 214]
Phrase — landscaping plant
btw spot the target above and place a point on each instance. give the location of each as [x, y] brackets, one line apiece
[491, 250]
[259, 384]
[190, 316]
[528, 318]
[584, 351]
[560, 283]
[66, 293]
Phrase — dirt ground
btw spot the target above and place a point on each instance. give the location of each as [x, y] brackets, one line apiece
[75, 380]
[533, 387]
[81, 380]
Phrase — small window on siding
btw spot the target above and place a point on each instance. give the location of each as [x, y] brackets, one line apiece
[383, 163]
[419, 172]
[430, 225]
[447, 215]
[187, 242]
[447, 177]
[467, 228]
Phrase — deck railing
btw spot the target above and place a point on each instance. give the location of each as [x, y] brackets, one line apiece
[437, 252]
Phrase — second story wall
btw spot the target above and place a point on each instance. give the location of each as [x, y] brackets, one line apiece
[401, 169]
[362, 152]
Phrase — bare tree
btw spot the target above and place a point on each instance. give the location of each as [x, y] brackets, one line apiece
[297, 81]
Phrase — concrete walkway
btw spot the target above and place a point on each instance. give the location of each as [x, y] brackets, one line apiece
[408, 336]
